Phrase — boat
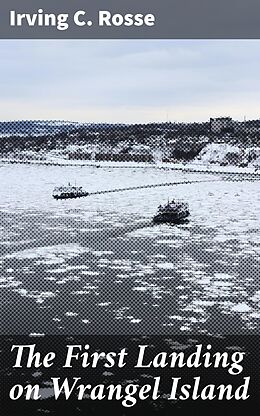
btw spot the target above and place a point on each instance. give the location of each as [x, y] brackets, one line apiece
[69, 191]
[173, 212]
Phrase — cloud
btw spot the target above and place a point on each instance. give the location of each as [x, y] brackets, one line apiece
[128, 80]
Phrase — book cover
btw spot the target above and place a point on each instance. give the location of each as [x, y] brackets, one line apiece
[129, 207]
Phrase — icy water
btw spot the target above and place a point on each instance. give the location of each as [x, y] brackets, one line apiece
[98, 264]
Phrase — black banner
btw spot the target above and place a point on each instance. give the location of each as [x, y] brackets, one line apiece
[167, 19]
[129, 375]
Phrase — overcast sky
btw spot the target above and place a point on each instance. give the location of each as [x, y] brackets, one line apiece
[129, 81]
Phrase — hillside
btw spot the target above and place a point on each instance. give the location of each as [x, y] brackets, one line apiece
[166, 142]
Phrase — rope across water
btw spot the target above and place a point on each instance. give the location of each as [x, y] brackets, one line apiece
[133, 188]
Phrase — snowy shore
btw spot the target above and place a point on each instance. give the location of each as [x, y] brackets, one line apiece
[194, 166]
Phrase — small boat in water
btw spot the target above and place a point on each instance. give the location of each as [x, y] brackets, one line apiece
[173, 212]
[69, 191]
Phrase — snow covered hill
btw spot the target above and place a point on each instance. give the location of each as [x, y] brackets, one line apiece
[225, 154]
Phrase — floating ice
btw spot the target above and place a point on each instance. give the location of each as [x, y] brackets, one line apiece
[241, 307]
[165, 265]
[58, 252]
